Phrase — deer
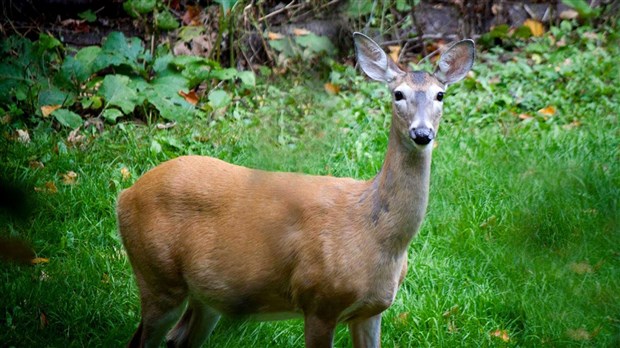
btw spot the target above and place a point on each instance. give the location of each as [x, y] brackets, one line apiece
[207, 238]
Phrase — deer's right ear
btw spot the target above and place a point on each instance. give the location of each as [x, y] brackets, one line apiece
[373, 60]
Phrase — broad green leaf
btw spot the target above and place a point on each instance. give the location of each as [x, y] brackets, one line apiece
[359, 8]
[224, 74]
[219, 99]
[116, 92]
[316, 44]
[88, 16]
[162, 63]
[111, 115]
[81, 65]
[52, 96]
[166, 21]
[67, 118]
[163, 94]
[582, 7]
[138, 7]
[189, 32]
[247, 78]
[226, 4]
[47, 42]
[283, 46]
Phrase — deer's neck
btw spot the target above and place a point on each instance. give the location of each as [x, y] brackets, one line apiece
[396, 199]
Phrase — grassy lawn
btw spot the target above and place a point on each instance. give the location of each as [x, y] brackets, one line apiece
[520, 247]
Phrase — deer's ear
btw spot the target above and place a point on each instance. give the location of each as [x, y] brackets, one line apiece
[456, 62]
[373, 60]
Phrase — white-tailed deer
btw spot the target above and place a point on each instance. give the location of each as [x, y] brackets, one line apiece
[206, 238]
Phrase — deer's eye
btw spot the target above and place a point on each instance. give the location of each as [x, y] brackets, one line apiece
[440, 96]
[398, 95]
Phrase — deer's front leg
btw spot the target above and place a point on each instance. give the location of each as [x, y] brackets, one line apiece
[319, 332]
[366, 333]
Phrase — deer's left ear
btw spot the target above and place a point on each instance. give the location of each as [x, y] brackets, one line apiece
[455, 62]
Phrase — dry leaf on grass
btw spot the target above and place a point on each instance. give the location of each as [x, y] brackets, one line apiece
[501, 334]
[23, 136]
[39, 260]
[69, 178]
[125, 173]
[548, 111]
[49, 187]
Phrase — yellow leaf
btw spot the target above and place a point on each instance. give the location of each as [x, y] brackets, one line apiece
[125, 174]
[301, 32]
[536, 27]
[331, 88]
[548, 111]
[69, 178]
[501, 334]
[38, 260]
[274, 36]
[46, 110]
[49, 187]
[394, 52]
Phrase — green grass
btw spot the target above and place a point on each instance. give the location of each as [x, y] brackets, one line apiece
[521, 234]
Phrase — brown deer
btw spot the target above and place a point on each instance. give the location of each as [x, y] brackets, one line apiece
[207, 238]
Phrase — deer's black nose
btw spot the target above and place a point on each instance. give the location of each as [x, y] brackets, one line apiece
[422, 135]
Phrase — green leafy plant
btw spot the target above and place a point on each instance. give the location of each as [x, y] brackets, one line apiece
[118, 78]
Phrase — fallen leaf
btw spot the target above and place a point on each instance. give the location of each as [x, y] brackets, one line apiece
[590, 35]
[43, 320]
[579, 334]
[300, 32]
[452, 311]
[46, 110]
[166, 125]
[524, 116]
[452, 328]
[190, 97]
[581, 267]
[569, 14]
[572, 125]
[501, 334]
[36, 164]
[23, 136]
[49, 187]
[75, 137]
[394, 52]
[125, 174]
[548, 111]
[536, 27]
[274, 36]
[403, 317]
[191, 15]
[69, 178]
[331, 88]
[38, 260]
